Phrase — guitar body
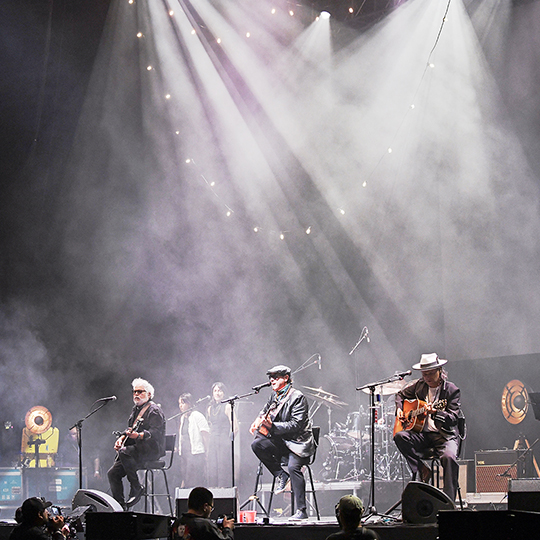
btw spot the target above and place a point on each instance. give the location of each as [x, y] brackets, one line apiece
[134, 428]
[414, 415]
[264, 428]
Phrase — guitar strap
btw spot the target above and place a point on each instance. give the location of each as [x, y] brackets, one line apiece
[280, 405]
[141, 414]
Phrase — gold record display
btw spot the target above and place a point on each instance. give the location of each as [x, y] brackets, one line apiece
[38, 419]
[39, 444]
[514, 402]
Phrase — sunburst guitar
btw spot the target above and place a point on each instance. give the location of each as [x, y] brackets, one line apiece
[415, 414]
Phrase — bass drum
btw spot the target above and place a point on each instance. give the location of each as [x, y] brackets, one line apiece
[336, 453]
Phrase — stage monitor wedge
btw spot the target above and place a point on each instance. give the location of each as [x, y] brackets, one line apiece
[420, 503]
[97, 500]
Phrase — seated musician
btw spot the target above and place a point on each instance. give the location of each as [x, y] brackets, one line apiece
[283, 436]
[435, 428]
[144, 440]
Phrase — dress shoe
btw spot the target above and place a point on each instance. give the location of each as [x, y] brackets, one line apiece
[281, 483]
[299, 515]
[135, 495]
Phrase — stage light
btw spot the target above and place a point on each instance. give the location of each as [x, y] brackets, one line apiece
[325, 15]
[139, 34]
[308, 230]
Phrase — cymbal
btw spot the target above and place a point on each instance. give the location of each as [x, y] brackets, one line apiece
[329, 401]
[389, 388]
[319, 391]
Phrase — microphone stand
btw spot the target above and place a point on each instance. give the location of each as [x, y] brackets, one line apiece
[232, 400]
[78, 426]
[372, 386]
[521, 457]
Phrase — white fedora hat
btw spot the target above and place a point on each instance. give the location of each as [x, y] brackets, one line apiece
[429, 361]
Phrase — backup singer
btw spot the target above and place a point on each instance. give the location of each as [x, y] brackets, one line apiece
[144, 440]
[219, 447]
[283, 436]
[192, 443]
[440, 428]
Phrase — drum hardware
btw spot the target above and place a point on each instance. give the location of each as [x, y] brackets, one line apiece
[322, 397]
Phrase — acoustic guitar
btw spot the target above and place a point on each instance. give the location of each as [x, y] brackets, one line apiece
[415, 414]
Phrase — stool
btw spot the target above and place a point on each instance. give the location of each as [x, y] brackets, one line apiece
[150, 467]
[309, 489]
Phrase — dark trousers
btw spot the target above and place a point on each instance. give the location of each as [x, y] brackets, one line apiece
[415, 445]
[193, 470]
[274, 453]
[125, 464]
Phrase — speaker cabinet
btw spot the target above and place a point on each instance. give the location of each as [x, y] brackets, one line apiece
[225, 501]
[488, 525]
[524, 494]
[420, 503]
[96, 500]
[126, 526]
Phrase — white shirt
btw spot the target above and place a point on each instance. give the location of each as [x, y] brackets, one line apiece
[196, 425]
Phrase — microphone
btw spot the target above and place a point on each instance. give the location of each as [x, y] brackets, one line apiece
[111, 398]
[366, 334]
[202, 399]
[319, 360]
[261, 386]
[402, 374]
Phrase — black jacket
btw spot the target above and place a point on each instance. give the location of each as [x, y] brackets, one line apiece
[292, 423]
[446, 421]
[152, 446]
[193, 527]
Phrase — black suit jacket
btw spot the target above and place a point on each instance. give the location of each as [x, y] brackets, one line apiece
[153, 445]
[446, 421]
[292, 423]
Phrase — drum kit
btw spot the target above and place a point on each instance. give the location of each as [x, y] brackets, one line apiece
[344, 453]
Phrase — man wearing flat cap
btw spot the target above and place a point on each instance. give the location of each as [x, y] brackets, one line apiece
[349, 512]
[283, 436]
[436, 428]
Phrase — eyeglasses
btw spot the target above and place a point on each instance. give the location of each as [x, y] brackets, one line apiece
[276, 377]
[139, 391]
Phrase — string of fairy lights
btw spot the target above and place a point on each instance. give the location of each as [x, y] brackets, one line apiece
[306, 229]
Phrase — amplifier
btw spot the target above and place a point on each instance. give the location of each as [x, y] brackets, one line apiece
[490, 465]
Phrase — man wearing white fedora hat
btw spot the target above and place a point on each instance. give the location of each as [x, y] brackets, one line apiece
[427, 413]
